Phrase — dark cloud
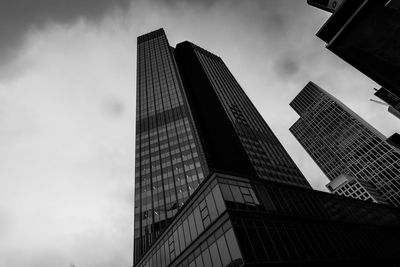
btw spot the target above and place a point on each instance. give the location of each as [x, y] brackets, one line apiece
[276, 22]
[279, 17]
[17, 17]
[286, 67]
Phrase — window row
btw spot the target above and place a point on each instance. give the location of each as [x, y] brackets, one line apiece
[188, 228]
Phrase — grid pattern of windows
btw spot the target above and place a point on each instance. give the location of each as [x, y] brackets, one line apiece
[288, 224]
[340, 142]
[185, 219]
[267, 155]
[169, 164]
[355, 190]
[259, 222]
[348, 186]
[203, 212]
[275, 199]
[219, 250]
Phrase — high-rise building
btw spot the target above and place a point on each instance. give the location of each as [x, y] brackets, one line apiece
[342, 143]
[391, 99]
[229, 123]
[327, 5]
[346, 185]
[365, 33]
[214, 186]
[169, 160]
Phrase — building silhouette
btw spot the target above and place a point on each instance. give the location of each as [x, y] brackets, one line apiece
[327, 5]
[355, 157]
[392, 100]
[214, 186]
[365, 34]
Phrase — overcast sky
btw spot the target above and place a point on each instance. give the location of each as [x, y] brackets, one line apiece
[67, 109]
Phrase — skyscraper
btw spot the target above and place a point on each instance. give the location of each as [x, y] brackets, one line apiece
[365, 33]
[169, 161]
[354, 156]
[391, 99]
[222, 110]
[212, 180]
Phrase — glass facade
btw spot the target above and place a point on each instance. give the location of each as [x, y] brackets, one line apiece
[168, 158]
[267, 155]
[220, 249]
[213, 185]
[192, 224]
[348, 186]
[340, 142]
[170, 154]
[199, 235]
[281, 224]
[257, 222]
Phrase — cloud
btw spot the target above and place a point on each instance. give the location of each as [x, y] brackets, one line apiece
[19, 17]
[276, 23]
[286, 66]
[61, 169]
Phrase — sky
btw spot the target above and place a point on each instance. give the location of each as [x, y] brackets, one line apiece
[67, 108]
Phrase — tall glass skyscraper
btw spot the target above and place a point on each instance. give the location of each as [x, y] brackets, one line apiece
[170, 154]
[207, 79]
[169, 165]
[214, 186]
[353, 155]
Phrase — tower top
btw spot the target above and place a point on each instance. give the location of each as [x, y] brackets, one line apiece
[151, 35]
